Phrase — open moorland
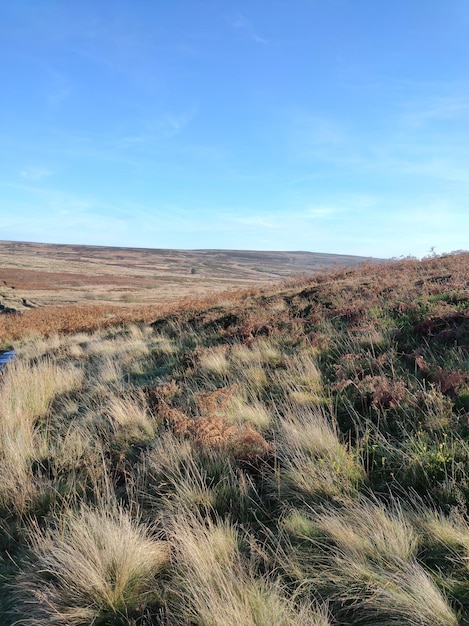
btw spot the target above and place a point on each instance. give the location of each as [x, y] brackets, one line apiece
[66, 287]
[295, 454]
[48, 274]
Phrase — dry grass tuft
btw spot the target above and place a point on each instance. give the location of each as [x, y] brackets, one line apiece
[316, 463]
[129, 416]
[364, 557]
[364, 529]
[97, 566]
[213, 362]
[218, 588]
[26, 394]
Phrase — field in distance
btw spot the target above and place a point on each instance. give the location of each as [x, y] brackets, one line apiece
[37, 274]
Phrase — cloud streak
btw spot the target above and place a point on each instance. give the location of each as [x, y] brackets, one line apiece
[35, 173]
[438, 110]
[242, 24]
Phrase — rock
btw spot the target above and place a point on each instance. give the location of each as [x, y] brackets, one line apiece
[11, 302]
[9, 309]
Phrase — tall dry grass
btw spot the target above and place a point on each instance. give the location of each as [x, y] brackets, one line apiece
[26, 394]
[218, 586]
[314, 461]
[301, 452]
[93, 566]
[363, 556]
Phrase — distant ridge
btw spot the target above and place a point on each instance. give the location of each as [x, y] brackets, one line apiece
[65, 274]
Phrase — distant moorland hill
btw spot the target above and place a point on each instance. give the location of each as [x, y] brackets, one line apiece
[63, 288]
[50, 274]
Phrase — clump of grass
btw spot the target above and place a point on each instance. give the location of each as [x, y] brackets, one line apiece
[249, 365]
[217, 587]
[363, 557]
[96, 566]
[243, 354]
[267, 351]
[213, 362]
[108, 370]
[408, 596]
[175, 476]
[449, 531]
[28, 390]
[256, 379]
[170, 477]
[254, 412]
[314, 462]
[26, 394]
[298, 524]
[366, 529]
[130, 418]
[303, 374]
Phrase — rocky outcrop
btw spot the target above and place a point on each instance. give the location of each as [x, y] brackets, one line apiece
[10, 302]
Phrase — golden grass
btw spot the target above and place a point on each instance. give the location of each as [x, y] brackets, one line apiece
[315, 461]
[27, 390]
[213, 362]
[240, 410]
[26, 393]
[97, 564]
[130, 418]
[218, 588]
[365, 529]
[302, 451]
[407, 595]
[364, 555]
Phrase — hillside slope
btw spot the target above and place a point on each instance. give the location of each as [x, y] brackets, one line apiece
[296, 454]
[65, 275]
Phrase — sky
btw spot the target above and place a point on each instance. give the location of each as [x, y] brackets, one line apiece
[338, 126]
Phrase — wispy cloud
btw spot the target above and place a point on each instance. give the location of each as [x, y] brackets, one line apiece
[175, 123]
[164, 127]
[300, 219]
[241, 23]
[418, 141]
[322, 212]
[440, 109]
[35, 173]
[310, 133]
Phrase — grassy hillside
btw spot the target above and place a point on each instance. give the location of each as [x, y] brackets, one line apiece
[295, 455]
[38, 274]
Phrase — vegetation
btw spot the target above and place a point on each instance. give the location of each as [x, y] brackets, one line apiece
[37, 275]
[293, 455]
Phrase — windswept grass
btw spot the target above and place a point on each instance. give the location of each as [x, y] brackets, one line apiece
[26, 395]
[93, 566]
[364, 559]
[293, 455]
[217, 584]
[316, 463]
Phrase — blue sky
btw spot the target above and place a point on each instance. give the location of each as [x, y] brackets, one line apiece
[325, 125]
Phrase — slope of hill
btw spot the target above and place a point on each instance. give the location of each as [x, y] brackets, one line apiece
[49, 274]
[296, 454]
